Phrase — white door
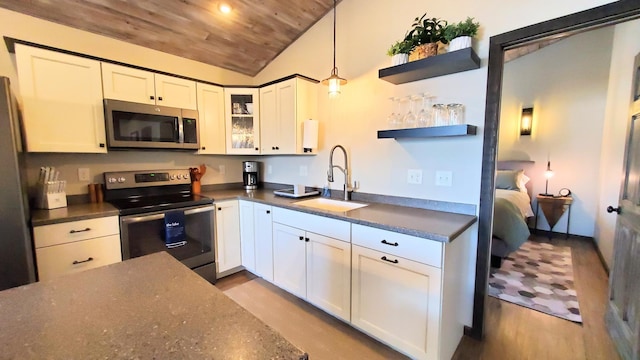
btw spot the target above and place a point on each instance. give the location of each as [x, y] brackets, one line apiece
[289, 269]
[286, 121]
[176, 92]
[247, 236]
[128, 84]
[397, 301]
[264, 241]
[269, 135]
[329, 275]
[623, 313]
[62, 101]
[211, 113]
[228, 251]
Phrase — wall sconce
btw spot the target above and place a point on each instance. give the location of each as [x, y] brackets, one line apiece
[526, 121]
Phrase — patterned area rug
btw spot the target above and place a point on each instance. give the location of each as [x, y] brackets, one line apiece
[538, 276]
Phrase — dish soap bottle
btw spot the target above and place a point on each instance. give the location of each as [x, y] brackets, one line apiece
[326, 191]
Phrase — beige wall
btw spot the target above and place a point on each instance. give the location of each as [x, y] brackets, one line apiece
[625, 48]
[34, 30]
[566, 83]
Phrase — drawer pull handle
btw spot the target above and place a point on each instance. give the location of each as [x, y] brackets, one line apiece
[301, 237]
[391, 261]
[388, 243]
[76, 262]
[79, 231]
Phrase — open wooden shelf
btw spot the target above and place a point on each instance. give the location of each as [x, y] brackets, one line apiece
[444, 64]
[427, 132]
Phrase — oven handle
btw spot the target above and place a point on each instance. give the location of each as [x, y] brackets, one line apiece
[135, 219]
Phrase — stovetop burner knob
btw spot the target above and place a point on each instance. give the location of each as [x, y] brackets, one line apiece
[112, 180]
[121, 180]
[172, 177]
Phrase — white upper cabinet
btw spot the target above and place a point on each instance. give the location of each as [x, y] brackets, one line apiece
[128, 84]
[283, 108]
[211, 112]
[242, 120]
[140, 86]
[62, 101]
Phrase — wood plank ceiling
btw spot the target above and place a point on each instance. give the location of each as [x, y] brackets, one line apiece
[245, 40]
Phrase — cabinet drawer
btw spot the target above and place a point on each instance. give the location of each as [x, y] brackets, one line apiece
[63, 233]
[70, 258]
[333, 228]
[410, 247]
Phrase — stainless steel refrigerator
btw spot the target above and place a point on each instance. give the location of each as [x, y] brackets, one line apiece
[16, 247]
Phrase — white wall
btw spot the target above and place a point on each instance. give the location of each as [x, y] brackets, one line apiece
[625, 47]
[566, 83]
[34, 30]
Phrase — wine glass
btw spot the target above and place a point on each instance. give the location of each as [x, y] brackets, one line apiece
[395, 118]
[410, 120]
[424, 116]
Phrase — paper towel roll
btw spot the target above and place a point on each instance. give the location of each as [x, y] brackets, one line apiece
[310, 135]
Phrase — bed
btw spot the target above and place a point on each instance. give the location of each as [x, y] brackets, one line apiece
[512, 209]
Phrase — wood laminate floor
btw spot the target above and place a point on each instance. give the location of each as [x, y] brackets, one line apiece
[511, 332]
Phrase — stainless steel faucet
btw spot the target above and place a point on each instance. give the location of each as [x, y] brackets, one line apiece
[344, 170]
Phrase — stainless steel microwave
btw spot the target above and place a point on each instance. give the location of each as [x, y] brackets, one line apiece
[133, 125]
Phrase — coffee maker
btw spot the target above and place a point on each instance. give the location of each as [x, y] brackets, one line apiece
[250, 174]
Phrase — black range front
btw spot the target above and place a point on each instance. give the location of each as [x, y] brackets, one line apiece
[158, 212]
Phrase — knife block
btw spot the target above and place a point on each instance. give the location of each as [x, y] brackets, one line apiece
[50, 200]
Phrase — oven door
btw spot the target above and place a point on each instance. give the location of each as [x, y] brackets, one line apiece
[143, 234]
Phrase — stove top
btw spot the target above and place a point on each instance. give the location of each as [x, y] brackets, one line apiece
[136, 192]
[143, 204]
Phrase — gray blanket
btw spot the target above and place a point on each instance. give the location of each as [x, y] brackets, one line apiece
[508, 224]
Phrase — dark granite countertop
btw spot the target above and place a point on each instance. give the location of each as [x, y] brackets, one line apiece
[151, 307]
[72, 213]
[430, 224]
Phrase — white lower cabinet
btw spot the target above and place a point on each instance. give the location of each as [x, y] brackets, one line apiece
[263, 241]
[312, 266]
[397, 301]
[228, 253]
[76, 246]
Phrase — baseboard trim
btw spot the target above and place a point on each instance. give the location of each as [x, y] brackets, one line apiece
[604, 263]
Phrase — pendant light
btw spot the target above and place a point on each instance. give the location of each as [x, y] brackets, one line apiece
[334, 81]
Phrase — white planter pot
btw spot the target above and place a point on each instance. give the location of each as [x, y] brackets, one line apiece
[399, 59]
[460, 42]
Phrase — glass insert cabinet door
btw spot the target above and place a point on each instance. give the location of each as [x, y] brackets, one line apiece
[242, 109]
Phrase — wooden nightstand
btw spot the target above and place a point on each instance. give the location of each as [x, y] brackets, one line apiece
[553, 208]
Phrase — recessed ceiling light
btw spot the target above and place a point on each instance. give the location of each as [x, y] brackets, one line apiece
[224, 8]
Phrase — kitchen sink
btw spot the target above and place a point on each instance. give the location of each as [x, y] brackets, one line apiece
[329, 204]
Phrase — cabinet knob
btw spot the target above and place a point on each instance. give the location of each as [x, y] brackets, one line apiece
[301, 237]
[160, 98]
[257, 149]
[268, 211]
[219, 208]
[101, 145]
[277, 148]
[204, 148]
[273, 148]
[151, 97]
[306, 239]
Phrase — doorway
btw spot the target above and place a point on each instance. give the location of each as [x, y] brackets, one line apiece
[609, 14]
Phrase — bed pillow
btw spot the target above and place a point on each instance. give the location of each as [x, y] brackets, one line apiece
[522, 181]
[508, 179]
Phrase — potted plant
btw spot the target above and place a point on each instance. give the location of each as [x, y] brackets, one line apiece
[399, 52]
[425, 36]
[459, 35]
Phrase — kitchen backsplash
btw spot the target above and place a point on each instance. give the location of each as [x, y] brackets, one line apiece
[220, 169]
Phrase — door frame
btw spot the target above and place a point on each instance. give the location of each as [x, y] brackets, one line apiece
[605, 15]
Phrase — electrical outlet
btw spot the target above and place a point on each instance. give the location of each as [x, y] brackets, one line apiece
[84, 174]
[222, 169]
[443, 178]
[269, 169]
[304, 171]
[414, 176]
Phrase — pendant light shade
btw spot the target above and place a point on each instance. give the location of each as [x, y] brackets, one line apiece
[334, 81]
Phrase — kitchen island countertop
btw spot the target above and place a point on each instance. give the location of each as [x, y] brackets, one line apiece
[151, 307]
